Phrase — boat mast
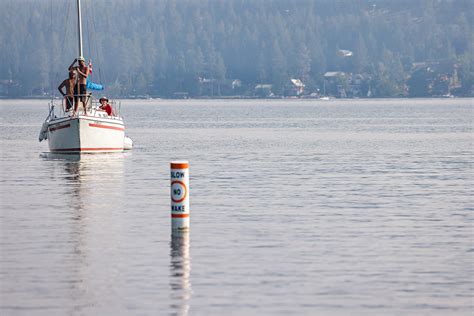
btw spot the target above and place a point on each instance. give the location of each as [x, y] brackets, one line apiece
[79, 27]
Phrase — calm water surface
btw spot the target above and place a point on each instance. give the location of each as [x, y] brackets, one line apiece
[357, 207]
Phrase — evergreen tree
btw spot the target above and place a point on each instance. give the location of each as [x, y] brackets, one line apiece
[163, 46]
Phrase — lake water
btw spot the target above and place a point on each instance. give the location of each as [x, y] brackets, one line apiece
[298, 207]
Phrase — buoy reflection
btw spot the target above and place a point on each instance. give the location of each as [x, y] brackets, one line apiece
[180, 269]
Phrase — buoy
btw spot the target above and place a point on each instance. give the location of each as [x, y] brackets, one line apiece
[179, 195]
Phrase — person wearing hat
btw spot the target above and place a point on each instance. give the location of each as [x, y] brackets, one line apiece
[104, 105]
[80, 90]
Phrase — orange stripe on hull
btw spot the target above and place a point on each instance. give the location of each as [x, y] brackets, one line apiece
[106, 126]
[52, 129]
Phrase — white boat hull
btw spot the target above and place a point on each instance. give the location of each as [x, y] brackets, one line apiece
[86, 134]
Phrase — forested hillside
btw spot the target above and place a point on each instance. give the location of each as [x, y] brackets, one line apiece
[159, 47]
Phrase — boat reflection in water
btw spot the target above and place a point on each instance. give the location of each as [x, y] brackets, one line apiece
[93, 181]
[180, 269]
[90, 192]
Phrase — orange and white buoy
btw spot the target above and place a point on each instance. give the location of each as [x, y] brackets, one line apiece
[179, 195]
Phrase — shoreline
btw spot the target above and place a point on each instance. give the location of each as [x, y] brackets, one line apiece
[252, 98]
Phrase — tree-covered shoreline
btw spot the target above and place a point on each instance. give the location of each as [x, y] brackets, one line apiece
[230, 47]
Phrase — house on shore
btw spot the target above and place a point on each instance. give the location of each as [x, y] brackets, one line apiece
[263, 90]
[295, 87]
[218, 87]
[9, 88]
[346, 85]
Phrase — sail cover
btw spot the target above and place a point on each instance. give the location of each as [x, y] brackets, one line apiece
[94, 86]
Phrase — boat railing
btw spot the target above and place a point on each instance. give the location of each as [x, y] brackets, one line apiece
[115, 108]
[93, 106]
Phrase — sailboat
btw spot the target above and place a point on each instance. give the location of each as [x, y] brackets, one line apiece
[91, 129]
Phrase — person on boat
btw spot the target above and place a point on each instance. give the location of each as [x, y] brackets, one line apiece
[82, 72]
[69, 84]
[104, 105]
